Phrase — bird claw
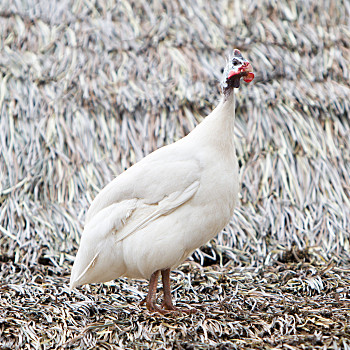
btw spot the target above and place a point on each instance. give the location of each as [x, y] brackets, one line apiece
[166, 309]
[152, 307]
[173, 308]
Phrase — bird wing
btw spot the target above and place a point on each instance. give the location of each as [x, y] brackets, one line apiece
[151, 180]
[164, 207]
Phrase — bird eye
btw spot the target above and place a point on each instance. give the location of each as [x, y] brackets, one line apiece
[235, 62]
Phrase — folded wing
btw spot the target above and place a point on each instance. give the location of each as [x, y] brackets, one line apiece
[151, 179]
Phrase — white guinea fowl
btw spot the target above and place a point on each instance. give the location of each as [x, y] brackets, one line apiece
[153, 216]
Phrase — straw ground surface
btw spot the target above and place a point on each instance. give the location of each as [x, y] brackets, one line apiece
[88, 88]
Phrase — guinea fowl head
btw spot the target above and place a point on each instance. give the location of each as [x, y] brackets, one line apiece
[236, 68]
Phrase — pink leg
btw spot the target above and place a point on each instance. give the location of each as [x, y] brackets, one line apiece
[168, 303]
[150, 299]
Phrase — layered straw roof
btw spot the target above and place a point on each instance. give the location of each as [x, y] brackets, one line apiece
[90, 87]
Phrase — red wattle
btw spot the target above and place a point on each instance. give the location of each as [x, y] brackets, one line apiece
[249, 77]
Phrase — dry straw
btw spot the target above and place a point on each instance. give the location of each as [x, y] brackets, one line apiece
[87, 88]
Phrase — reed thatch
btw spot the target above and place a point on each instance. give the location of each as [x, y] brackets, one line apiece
[88, 88]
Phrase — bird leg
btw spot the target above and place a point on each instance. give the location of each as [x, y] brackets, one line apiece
[167, 302]
[150, 299]
[167, 305]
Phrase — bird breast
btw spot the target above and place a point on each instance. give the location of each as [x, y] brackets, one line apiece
[217, 195]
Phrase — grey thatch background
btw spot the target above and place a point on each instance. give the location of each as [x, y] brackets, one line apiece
[87, 88]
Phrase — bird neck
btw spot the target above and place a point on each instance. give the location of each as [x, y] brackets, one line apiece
[218, 127]
[227, 107]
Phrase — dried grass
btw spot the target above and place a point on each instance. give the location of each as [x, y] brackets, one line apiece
[87, 88]
[294, 305]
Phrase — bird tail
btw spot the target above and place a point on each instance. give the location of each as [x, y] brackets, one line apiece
[100, 235]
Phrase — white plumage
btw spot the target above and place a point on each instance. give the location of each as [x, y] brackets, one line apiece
[155, 214]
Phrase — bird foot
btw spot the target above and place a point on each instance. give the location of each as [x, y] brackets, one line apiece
[166, 308]
[172, 308]
[152, 307]
[155, 308]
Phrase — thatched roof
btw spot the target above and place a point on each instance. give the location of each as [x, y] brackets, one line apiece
[88, 88]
